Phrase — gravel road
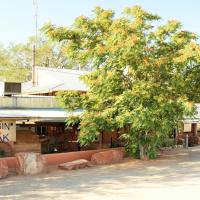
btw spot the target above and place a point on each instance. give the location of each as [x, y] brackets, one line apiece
[175, 175]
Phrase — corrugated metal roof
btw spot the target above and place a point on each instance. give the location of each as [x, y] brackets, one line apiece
[25, 102]
[42, 114]
[198, 111]
[12, 116]
[54, 79]
[195, 118]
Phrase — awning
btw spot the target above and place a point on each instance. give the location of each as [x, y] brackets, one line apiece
[191, 121]
[13, 117]
[37, 114]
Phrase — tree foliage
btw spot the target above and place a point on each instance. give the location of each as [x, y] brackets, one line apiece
[137, 83]
[8, 71]
[19, 58]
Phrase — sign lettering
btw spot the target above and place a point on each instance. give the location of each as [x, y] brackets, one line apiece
[7, 131]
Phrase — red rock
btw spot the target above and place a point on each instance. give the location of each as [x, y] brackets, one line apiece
[76, 164]
[107, 157]
[30, 163]
[3, 169]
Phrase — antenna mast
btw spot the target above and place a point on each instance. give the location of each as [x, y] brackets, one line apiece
[35, 4]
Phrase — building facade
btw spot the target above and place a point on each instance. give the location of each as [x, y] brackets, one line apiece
[40, 120]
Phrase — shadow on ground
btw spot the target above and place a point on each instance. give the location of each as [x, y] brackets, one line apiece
[173, 169]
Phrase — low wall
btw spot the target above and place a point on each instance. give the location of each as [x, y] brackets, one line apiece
[57, 158]
[11, 161]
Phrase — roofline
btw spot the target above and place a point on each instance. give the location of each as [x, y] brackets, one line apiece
[72, 71]
[17, 118]
[49, 91]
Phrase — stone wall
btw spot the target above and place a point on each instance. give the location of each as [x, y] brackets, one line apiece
[58, 158]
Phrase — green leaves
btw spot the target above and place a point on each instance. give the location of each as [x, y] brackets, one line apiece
[70, 100]
[138, 80]
[138, 13]
[19, 57]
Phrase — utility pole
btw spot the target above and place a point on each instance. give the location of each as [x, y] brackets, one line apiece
[35, 4]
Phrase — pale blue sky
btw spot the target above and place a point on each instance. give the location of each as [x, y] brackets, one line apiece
[16, 16]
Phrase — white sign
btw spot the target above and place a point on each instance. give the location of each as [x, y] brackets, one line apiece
[7, 131]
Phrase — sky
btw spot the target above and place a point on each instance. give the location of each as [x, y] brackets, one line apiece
[17, 16]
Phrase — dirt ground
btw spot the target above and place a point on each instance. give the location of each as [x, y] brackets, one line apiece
[175, 175]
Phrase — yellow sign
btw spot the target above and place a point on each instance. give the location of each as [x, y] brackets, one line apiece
[7, 131]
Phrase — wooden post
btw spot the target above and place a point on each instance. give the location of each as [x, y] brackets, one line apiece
[33, 68]
[181, 132]
[101, 140]
[77, 134]
[194, 129]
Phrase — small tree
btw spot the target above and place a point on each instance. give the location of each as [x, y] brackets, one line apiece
[137, 81]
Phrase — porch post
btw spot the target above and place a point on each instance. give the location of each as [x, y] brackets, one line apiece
[194, 129]
[101, 140]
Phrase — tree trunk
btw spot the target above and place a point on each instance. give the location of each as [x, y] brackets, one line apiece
[143, 155]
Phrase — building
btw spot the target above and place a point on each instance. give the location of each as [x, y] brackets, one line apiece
[40, 120]
[31, 118]
[191, 127]
[47, 81]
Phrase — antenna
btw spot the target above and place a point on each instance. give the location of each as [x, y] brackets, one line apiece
[35, 5]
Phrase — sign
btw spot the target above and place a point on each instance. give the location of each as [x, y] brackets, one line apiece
[7, 131]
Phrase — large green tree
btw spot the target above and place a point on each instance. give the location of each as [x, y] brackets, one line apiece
[8, 70]
[137, 84]
[16, 59]
[190, 56]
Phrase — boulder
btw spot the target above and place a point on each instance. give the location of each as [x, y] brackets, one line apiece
[76, 164]
[3, 169]
[30, 163]
[107, 157]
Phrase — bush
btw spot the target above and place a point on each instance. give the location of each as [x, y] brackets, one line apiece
[168, 142]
